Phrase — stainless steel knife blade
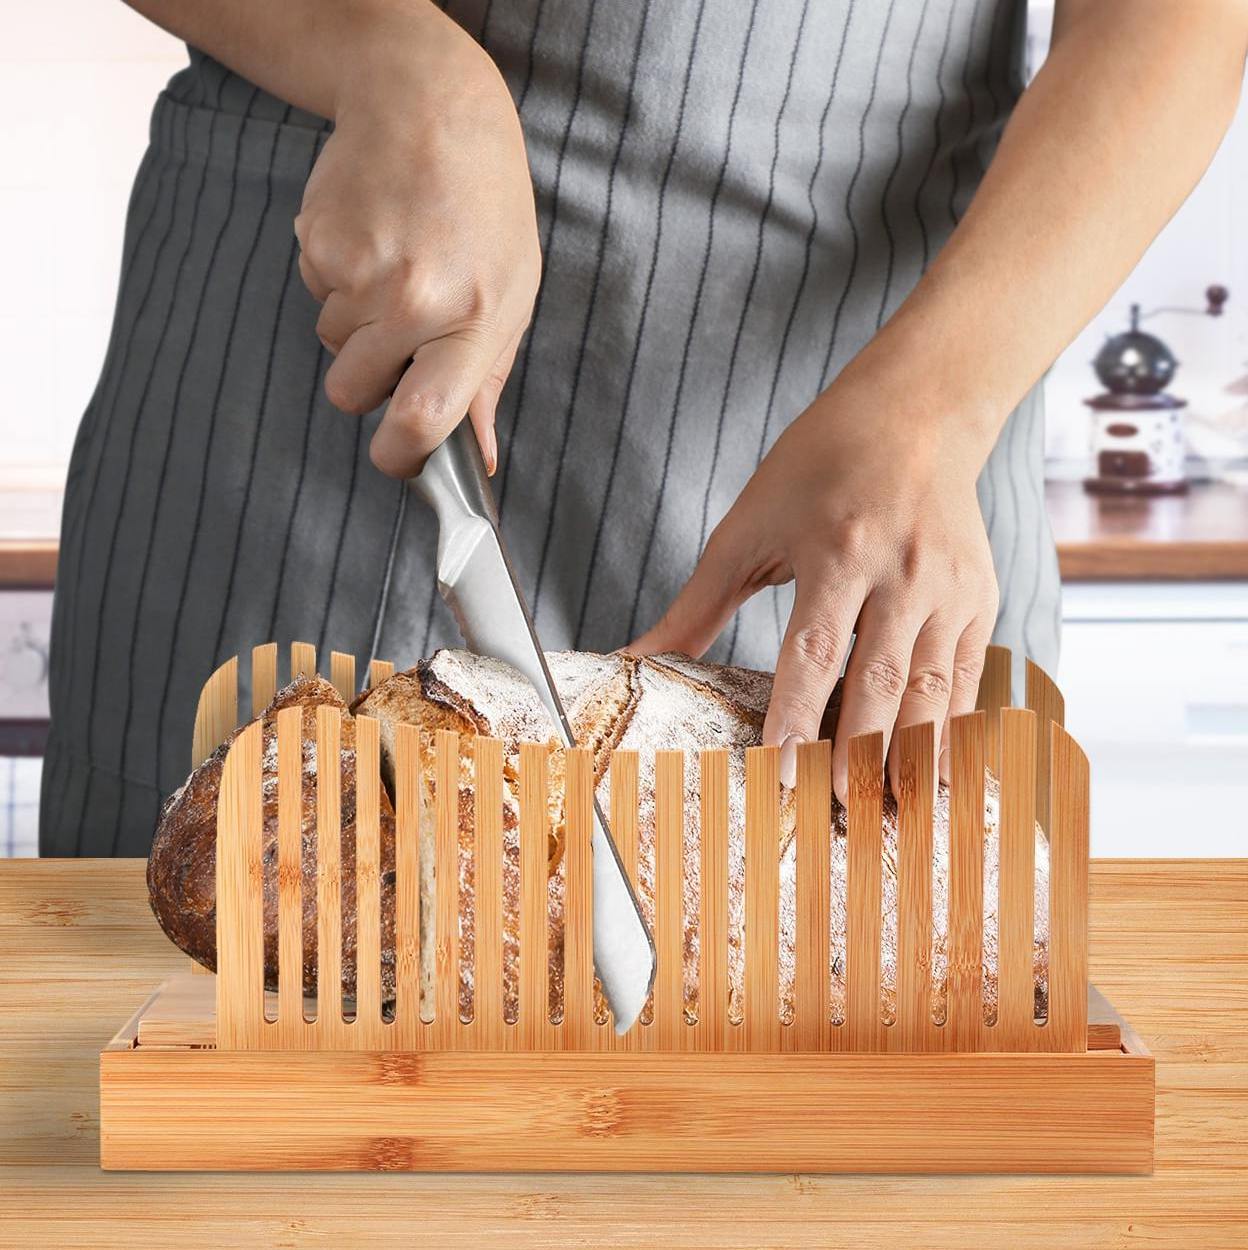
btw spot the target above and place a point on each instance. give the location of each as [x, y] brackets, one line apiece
[476, 579]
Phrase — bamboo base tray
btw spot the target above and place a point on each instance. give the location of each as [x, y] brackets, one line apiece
[169, 1100]
[215, 1074]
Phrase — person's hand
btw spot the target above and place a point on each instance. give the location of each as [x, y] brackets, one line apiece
[419, 237]
[870, 505]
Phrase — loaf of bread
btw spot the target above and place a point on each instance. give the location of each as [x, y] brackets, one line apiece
[182, 865]
[613, 701]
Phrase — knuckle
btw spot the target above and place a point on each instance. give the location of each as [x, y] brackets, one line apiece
[911, 558]
[416, 290]
[967, 671]
[930, 681]
[884, 676]
[422, 410]
[344, 395]
[851, 539]
[818, 643]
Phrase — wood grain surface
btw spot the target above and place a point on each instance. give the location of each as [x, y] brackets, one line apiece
[79, 952]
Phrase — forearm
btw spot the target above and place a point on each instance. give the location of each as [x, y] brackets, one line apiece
[1104, 146]
[311, 53]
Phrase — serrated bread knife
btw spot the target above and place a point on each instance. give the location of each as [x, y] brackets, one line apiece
[476, 579]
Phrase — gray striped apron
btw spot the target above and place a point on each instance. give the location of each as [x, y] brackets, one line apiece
[733, 195]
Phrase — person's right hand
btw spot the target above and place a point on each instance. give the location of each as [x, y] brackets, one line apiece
[419, 236]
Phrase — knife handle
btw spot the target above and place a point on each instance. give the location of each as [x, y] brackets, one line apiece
[454, 480]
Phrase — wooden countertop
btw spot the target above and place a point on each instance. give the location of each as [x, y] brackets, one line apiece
[1200, 536]
[79, 952]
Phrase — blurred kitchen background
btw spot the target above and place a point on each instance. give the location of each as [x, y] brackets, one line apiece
[1155, 643]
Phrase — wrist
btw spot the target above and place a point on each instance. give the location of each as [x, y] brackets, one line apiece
[929, 393]
[402, 59]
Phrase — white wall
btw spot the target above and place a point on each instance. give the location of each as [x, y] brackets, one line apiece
[77, 82]
[1204, 243]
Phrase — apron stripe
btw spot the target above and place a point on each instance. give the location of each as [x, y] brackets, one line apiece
[201, 487]
[896, 168]
[552, 226]
[648, 549]
[640, 334]
[64, 577]
[314, 395]
[290, 284]
[379, 617]
[855, 241]
[352, 483]
[759, 240]
[111, 547]
[799, 290]
[72, 514]
[938, 142]
[595, 284]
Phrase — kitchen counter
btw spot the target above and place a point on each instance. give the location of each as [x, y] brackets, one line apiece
[79, 952]
[1200, 536]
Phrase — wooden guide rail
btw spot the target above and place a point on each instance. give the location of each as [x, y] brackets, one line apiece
[1041, 774]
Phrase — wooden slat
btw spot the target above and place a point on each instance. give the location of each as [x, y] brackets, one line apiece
[216, 715]
[534, 1010]
[330, 1027]
[240, 949]
[378, 671]
[342, 674]
[368, 1032]
[578, 924]
[290, 1025]
[1068, 895]
[302, 660]
[669, 936]
[1016, 882]
[263, 676]
[762, 897]
[863, 879]
[1045, 699]
[487, 1003]
[964, 983]
[814, 815]
[913, 1028]
[713, 917]
[995, 692]
[409, 1032]
[446, 888]
[624, 769]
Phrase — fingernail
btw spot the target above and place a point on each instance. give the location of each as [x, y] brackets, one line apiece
[942, 765]
[788, 759]
[491, 451]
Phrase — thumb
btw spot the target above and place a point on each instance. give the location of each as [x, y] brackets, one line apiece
[704, 606]
[430, 401]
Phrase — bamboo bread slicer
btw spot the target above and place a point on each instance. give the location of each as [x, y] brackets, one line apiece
[214, 1073]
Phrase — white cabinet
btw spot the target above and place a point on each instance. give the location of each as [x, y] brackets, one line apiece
[1156, 683]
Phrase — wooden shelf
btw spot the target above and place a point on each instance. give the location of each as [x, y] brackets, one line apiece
[1200, 536]
[28, 563]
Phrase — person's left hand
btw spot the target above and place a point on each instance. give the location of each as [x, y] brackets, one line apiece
[869, 503]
